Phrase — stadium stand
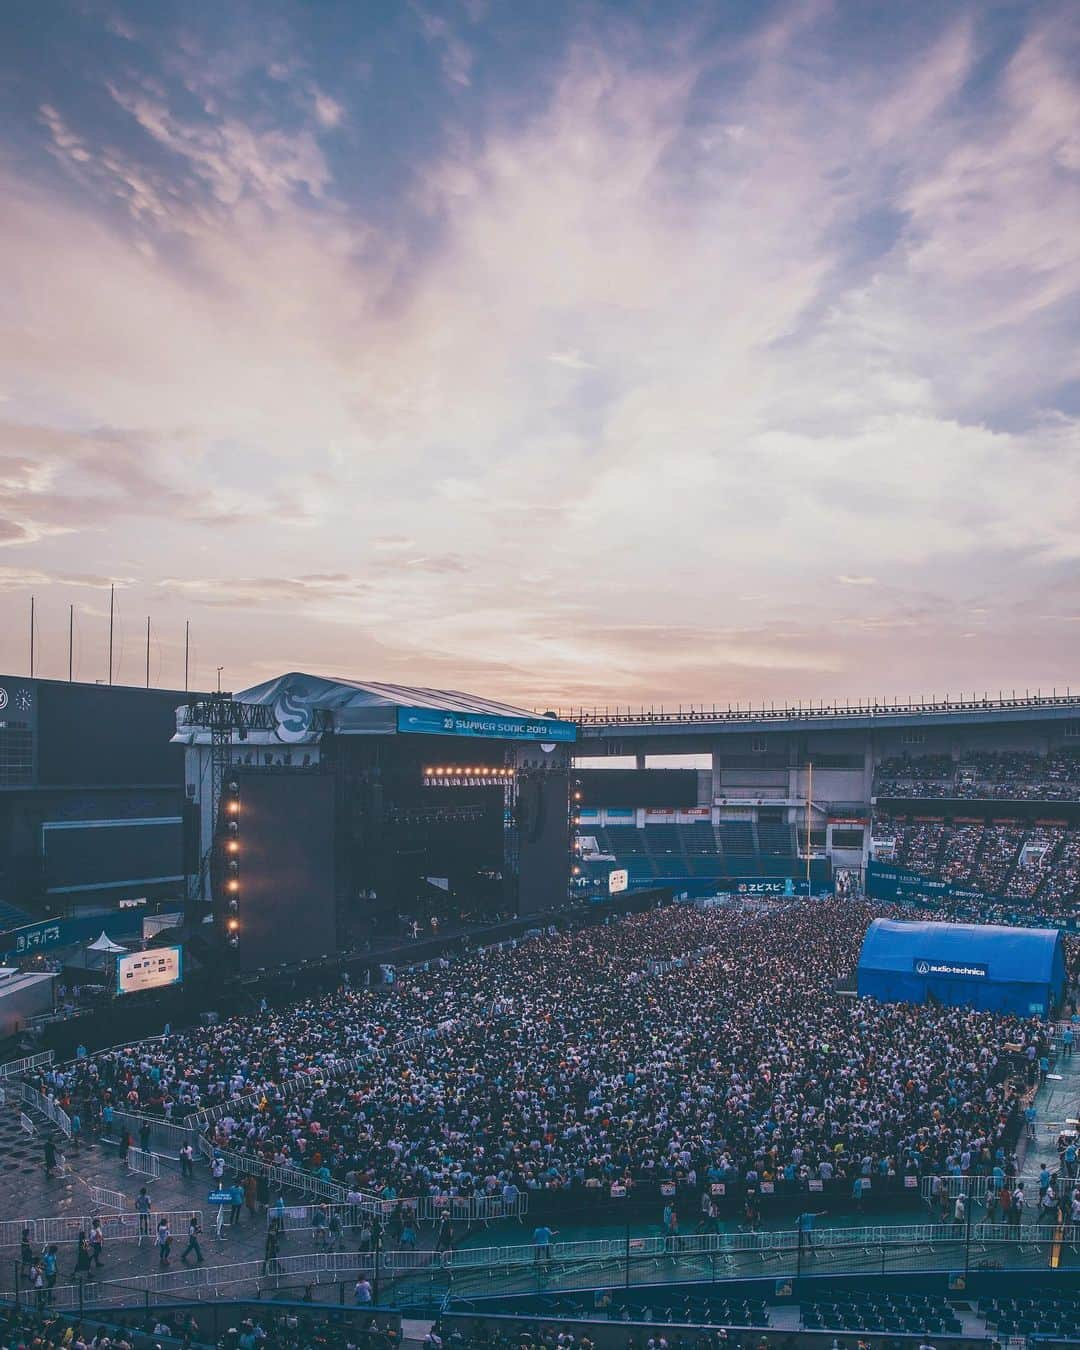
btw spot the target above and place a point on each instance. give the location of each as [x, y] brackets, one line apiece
[991, 859]
[986, 775]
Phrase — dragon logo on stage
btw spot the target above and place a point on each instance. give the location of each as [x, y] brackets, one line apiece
[293, 717]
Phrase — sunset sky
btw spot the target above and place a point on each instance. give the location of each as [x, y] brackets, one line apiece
[562, 352]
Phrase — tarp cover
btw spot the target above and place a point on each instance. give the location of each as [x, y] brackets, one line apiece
[990, 966]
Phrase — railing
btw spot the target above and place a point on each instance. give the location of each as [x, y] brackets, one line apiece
[102, 1195]
[200, 1279]
[292, 1177]
[15, 1068]
[145, 1164]
[116, 1227]
[48, 1108]
[167, 1133]
[884, 1249]
[809, 711]
[977, 1189]
[462, 1209]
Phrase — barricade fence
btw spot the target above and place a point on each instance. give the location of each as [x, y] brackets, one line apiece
[200, 1280]
[167, 1135]
[462, 1209]
[116, 1227]
[15, 1068]
[48, 1108]
[974, 1188]
[284, 1177]
[145, 1164]
[102, 1195]
[26, 1123]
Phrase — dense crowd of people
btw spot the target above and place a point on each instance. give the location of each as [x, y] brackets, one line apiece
[681, 1044]
[281, 1327]
[1011, 775]
[1037, 866]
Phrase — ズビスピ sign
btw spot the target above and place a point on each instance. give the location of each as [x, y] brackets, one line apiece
[955, 970]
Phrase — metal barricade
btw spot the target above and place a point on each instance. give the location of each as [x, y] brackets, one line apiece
[146, 1164]
[102, 1195]
[15, 1068]
[26, 1123]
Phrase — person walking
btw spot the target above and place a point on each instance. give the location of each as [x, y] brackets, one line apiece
[362, 1295]
[236, 1201]
[97, 1243]
[251, 1196]
[144, 1136]
[83, 1258]
[50, 1158]
[125, 1144]
[193, 1231]
[49, 1260]
[164, 1242]
[187, 1160]
[1067, 1043]
[270, 1251]
[76, 1130]
[142, 1209]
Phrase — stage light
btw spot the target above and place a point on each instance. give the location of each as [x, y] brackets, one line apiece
[233, 925]
[233, 808]
[577, 871]
[234, 885]
[233, 846]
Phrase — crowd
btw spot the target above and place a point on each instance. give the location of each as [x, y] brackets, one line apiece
[681, 1044]
[1011, 775]
[281, 1327]
[1038, 866]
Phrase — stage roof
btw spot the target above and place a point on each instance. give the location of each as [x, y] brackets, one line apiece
[336, 693]
[362, 707]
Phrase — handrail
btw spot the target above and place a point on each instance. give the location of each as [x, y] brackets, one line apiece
[871, 709]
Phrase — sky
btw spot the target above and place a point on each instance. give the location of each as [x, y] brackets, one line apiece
[567, 353]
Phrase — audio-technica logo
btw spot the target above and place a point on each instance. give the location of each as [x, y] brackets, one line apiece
[922, 967]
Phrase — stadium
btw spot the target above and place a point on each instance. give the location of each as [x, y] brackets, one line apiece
[454, 1021]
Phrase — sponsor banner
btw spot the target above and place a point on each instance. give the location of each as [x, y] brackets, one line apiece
[152, 969]
[658, 815]
[848, 820]
[931, 968]
[432, 722]
[691, 813]
[768, 886]
[618, 881]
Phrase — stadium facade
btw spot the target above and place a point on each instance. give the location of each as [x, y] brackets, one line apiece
[92, 802]
[786, 786]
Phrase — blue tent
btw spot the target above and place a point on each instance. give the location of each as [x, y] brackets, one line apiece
[1015, 970]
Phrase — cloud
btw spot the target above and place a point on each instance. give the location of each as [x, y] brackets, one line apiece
[825, 302]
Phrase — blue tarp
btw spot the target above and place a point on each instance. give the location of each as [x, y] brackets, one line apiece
[1018, 970]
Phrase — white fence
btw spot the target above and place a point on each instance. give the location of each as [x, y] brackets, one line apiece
[463, 1210]
[195, 1281]
[101, 1195]
[116, 1227]
[978, 1189]
[166, 1136]
[146, 1164]
[280, 1176]
[15, 1068]
[26, 1123]
[48, 1108]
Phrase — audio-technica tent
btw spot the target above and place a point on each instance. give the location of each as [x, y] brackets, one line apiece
[1015, 970]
